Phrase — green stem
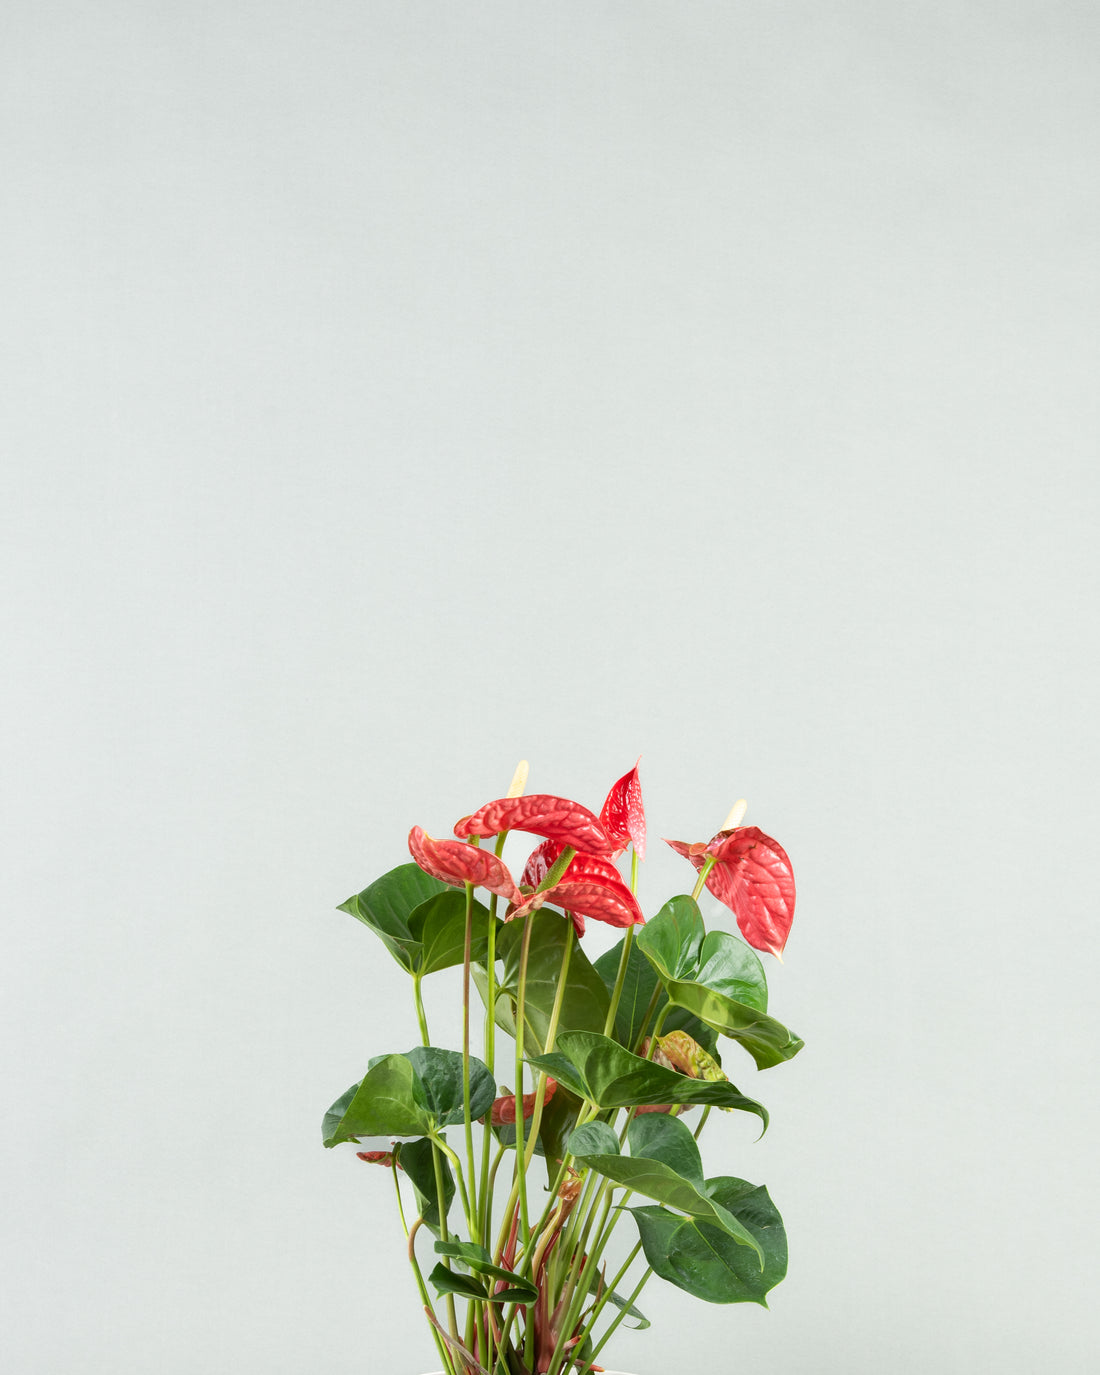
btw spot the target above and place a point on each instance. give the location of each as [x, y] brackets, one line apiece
[425, 1039]
[703, 872]
[441, 1347]
[619, 1316]
[490, 1053]
[620, 980]
[602, 1302]
[468, 1125]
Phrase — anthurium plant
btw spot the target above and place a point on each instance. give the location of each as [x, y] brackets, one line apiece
[509, 1196]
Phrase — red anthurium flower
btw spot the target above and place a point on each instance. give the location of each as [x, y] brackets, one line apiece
[503, 1111]
[590, 887]
[623, 815]
[556, 818]
[458, 864]
[752, 876]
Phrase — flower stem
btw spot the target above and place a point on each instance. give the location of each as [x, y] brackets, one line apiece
[703, 872]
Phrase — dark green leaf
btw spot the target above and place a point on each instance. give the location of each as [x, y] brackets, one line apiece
[385, 1103]
[439, 926]
[476, 1258]
[388, 903]
[638, 986]
[729, 966]
[767, 1041]
[585, 1004]
[438, 1084]
[671, 940]
[662, 1149]
[703, 1260]
[595, 1067]
[416, 1160]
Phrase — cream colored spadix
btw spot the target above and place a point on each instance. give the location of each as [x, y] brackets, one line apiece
[736, 816]
[519, 779]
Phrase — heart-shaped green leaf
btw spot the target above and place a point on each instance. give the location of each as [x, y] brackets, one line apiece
[636, 1000]
[585, 1003]
[385, 1103]
[767, 1041]
[438, 926]
[595, 1067]
[700, 1258]
[663, 1164]
[388, 903]
[671, 940]
[408, 1095]
[438, 1084]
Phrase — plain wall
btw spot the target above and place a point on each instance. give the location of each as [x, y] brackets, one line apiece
[395, 390]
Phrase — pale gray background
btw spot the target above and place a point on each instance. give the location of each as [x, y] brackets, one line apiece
[394, 390]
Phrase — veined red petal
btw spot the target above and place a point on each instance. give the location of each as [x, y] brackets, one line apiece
[623, 815]
[613, 903]
[753, 877]
[453, 862]
[556, 818]
[593, 867]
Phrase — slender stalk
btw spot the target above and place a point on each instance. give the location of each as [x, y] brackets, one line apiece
[619, 1316]
[425, 1039]
[605, 1298]
[703, 872]
[485, 1195]
[444, 1354]
[620, 980]
[521, 1017]
[468, 1125]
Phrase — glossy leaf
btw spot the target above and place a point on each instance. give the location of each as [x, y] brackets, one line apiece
[458, 864]
[701, 1259]
[767, 1041]
[672, 940]
[556, 818]
[637, 994]
[388, 903]
[416, 1159]
[585, 1003]
[385, 1103]
[595, 1067]
[623, 814]
[437, 1084]
[478, 1259]
[439, 927]
[728, 966]
[663, 1164]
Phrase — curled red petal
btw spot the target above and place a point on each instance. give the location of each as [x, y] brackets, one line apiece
[601, 900]
[556, 818]
[753, 877]
[503, 1111]
[696, 852]
[453, 862]
[623, 815]
[377, 1157]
